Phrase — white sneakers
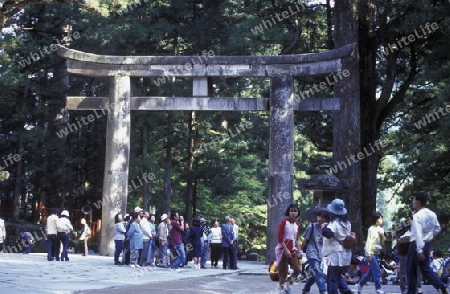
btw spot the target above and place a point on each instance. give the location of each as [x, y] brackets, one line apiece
[359, 290]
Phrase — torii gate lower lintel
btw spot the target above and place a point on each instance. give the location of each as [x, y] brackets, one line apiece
[281, 70]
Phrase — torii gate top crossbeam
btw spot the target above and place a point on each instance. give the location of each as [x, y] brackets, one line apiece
[307, 65]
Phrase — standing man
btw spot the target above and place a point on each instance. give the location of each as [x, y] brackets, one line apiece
[312, 246]
[176, 240]
[205, 244]
[235, 243]
[152, 245]
[424, 227]
[145, 226]
[2, 233]
[51, 232]
[163, 234]
[227, 243]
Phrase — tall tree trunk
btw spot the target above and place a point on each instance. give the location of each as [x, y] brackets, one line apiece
[147, 183]
[346, 124]
[18, 180]
[168, 164]
[190, 168]
[369, 132]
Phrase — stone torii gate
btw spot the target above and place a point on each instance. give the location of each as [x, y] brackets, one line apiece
[281, 69]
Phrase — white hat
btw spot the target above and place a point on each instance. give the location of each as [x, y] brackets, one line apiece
[163, 217]
[65, 213]
[138, 209]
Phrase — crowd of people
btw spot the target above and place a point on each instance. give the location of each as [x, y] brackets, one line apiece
[137, 238]
[334, 264]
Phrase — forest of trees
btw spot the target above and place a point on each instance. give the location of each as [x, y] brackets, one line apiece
[404, 71]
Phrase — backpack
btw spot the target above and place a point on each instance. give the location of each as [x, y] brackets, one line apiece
[273, 272]
[350, 241]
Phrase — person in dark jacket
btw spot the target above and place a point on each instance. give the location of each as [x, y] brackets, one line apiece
[227, 244]
[195, 235]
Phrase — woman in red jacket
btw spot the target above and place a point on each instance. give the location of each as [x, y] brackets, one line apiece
[287, 250]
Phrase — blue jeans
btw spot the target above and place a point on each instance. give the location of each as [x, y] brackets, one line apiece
[163, 259]
[180, 255]
[151, 251]
[119, 247]
[205, 249]
[144, 253]
[427, 271]
[374, 272]
[335, 281]
[317, 276]
[63, 238]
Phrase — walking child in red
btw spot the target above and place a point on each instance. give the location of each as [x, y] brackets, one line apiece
[287, 250]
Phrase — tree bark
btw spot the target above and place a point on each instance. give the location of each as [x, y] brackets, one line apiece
[189, 200]
[18, 180]
[168, 166]
[346, 124]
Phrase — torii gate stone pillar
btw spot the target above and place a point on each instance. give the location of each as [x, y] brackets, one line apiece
[115, 178]
[281, 69]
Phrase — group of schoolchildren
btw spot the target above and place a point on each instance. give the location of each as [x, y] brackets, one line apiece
[334, 265]
[137, 238]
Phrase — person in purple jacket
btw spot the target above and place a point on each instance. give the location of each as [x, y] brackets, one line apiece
[176, 240]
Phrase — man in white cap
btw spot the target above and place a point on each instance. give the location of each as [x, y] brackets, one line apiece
[163, 233]
[139, 210]
[64, 228]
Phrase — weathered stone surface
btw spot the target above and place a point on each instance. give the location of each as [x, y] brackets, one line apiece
[72, 54]
[202, 103]
[115, 178]
[281, 157]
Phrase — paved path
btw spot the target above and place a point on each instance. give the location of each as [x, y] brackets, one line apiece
[32, 273]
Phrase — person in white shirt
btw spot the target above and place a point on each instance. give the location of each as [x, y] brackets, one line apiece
[145, 226]
[424, 227]
[2, 233]
[235, 243]
[51, 238]
[64, 228]
[216, 243]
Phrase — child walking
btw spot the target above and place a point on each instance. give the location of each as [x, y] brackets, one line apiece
[286, 251]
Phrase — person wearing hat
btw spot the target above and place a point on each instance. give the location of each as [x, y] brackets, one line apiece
[163, 233]
[205, 242]
[338, 258]
[64, 228]
[312, 247]
[51, 235]
[139, 210]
